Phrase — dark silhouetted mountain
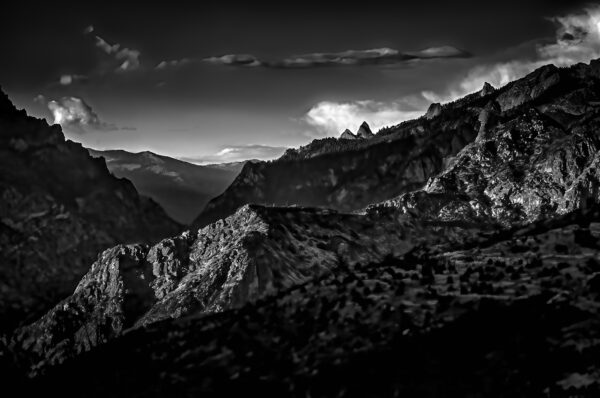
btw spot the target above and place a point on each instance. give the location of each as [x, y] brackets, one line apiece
[181, 188]
[234, 167]
[60, 207]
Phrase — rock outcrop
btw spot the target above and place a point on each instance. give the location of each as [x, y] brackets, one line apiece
[348, 135]
[59, 209]
[253, 253]
[528, 163]
[364, 131]
[513, 313]
[434, 110]
[487, 89]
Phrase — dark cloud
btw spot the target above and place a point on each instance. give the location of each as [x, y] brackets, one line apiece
[236, 153]
[75, 115]
[376, 56]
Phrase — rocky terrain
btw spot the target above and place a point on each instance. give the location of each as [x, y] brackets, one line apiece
[460, 258]
[255, 252]
[59, 209]
[181, 188]
[513, 313]
[536, 154]
[349, 174]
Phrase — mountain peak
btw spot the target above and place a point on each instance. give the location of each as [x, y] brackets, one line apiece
[364, 131]
[348, 135]
[487, 89]
[434, 110]
[6, 105]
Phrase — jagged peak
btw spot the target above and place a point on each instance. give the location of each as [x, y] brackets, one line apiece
[434, 110]
[348, 135]
[364, 131]
[6, 104]
[487, 89]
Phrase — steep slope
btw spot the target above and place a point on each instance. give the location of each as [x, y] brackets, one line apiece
[536, 154]
[181, 188]
[514, 314]
[349, 174]
[59, 209]
[237, 260]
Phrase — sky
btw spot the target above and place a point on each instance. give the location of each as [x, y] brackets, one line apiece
[218, 83]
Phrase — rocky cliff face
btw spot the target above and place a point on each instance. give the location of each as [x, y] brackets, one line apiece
[535, 156]
[514, 313]
[253, 253]
[59, 209]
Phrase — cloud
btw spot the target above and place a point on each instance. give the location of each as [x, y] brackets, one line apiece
[235, 60]
[577, 40]
[331, 118]
[66, 80]
[127, 58]
[376, 56]
[172, 64]
[237, 153]
[75, 115]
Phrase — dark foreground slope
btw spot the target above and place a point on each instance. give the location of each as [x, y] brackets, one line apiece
[181, 188]
[59, 209]
[255, 252]
[514, 314]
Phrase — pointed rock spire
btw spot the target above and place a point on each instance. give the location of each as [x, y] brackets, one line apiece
[487, 89]
[364, 131]
[434, 110]
[347, 135]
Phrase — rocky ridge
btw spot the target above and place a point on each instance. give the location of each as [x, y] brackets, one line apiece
[59, 209]
[253, 253]
[531, 159]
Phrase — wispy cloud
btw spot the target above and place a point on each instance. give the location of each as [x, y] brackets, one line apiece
[376, 56]
[76, 115]
[237, 153]
[577, 40]
[127, 59]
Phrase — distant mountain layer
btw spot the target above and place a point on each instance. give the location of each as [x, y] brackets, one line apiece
[182, 188]
[60, 207]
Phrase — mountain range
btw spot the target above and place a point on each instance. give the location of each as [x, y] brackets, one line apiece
[452, 255]
[181, 188]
